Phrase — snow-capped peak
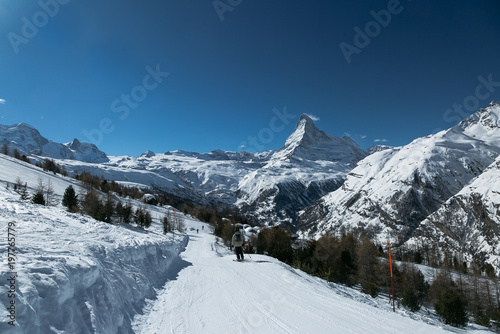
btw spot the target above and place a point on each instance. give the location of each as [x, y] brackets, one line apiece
[306, 133]
[27, 140]
[308, 142]
[148, 154]
[485, 118]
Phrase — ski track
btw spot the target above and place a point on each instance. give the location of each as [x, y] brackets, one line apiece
[214, 294]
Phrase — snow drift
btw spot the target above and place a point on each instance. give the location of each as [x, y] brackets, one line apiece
[76, 274]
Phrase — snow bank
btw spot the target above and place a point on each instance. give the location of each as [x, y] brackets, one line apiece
[78, 275]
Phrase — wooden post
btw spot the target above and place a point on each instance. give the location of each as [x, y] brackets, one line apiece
[392, 280]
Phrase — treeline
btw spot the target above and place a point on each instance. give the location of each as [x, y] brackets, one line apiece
[46, 164]
[14, 153]
[98, 198]
[213, 214]
[433, 256]
[43, 195]
[456, 297]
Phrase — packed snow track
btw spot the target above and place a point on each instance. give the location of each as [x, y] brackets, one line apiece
[214, 294]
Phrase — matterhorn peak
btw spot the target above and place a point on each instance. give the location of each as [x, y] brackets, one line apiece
[308, 142]
[306, 117]
[306, 133]
[494, 103]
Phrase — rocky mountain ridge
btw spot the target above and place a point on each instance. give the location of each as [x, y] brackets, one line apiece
[403, 193]
[270, 186]
[28, 141]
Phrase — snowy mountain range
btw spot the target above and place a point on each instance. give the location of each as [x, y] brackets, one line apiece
[272, 185]
[28, 141]
[320, 183]
[416, 190]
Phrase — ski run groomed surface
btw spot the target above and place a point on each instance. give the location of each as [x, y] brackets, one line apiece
[214, 294]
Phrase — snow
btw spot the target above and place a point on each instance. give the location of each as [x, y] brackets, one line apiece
[308, 166]
[437, 166]
[474, 236]
[214, 294]
[78, 275]
[75, 274]
[27, 140]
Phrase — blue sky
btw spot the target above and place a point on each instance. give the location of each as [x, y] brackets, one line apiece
[135, 75]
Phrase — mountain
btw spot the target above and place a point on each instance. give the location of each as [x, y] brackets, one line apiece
[390, 193]
[309, 165]
[271, 186]
[377, 148]
[320, 183]
[469, 222]
[309, 143]
[28, 141]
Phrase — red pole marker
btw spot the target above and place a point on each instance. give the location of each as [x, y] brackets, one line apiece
[392, 281]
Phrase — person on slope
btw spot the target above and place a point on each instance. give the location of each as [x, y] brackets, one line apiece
[237, 242]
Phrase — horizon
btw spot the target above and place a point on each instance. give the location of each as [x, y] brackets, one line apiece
[236, 75]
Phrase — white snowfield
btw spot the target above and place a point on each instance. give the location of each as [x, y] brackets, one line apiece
[77, 275]
[74, 274]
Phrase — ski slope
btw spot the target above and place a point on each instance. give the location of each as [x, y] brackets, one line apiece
[214, 294]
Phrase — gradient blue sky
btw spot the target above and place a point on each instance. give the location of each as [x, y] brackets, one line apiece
[226, 76]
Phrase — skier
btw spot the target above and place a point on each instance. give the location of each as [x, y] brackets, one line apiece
[237, 241]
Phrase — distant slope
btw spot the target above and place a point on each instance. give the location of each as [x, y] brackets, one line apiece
[12, 169]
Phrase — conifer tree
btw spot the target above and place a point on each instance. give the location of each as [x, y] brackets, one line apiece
[367, 264]
[448, 300]
[109, 208]
[49, 193]
[92, 206]
[39, 198]
[5, 149]
[16, 153]
[166, 224]
[70, 199]
[413, 286]
[22, 189]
